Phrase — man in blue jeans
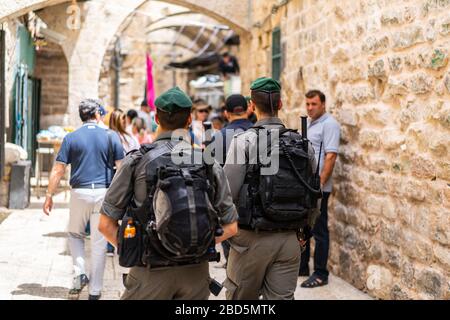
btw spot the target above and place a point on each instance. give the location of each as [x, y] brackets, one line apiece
[324, 134]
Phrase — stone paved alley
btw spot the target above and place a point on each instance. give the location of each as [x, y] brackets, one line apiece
[35, 262]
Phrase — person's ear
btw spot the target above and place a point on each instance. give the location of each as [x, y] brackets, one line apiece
[189, 121]
[157, 119]
[280, 104]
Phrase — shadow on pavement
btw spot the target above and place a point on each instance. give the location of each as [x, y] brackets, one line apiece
[36, 289]
[56, 234]
[56, 205]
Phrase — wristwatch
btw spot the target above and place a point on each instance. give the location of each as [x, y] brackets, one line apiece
[49, 194]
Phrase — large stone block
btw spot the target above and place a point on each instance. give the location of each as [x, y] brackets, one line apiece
[407, 274]
[377, 70]
[405, 212]
[350, 237]
[340, 54]
[375, 45]
[423, 167]
[421, 83]
[395, 63]
[391, 233]
[432, 6]
[379, 114]
[392, 139]
[440, 231]
[431, 283]
[417, 247]
[442, 254]
[445, 26]
[374, 205]
[447, 82]
[369, 138]
[408, 37]
[373, 224]
[399, 293]
[413, 189]
[394, 259]
[395, 88]
[363, 247]
[379, 281]
[435, 59]
[391, 17]
[443, 169]
[348, 117]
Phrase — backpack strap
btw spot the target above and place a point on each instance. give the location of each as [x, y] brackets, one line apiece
[140, 213]
[191, 203]
[154, 154]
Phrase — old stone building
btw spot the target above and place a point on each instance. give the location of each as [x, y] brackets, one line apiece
[384, 68]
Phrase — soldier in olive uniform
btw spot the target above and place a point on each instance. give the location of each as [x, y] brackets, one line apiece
[169, 281]
[261, 262]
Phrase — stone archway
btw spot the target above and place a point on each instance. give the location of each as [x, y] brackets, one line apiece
[236, 19]
[101, 19]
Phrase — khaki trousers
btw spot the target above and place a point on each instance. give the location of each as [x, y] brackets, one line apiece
[263, 263]
[190, 282]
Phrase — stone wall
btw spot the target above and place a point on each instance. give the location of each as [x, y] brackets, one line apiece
[10, 28]
[133, 71]
[4, 187]
[52, 69]
[384, 68]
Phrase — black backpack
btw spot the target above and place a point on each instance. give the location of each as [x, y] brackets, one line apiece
[287, 199]
[178, 220]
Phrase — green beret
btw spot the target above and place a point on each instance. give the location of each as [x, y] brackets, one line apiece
[266, 84]
[173, 100]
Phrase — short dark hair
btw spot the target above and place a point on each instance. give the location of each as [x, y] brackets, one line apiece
[88, 108]
[173, 120]
[199, 101]
[132, 114]
[144, 103]
[314, 93]
[225, 54]
[262, 101]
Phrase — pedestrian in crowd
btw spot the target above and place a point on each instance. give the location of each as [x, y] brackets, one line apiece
[222, 112]
[117, 123]
[264, 257]
[140, 132]
[229, 68]
[236, 113]
[251, 110]
[324, 133]
[200, 111]
[161, 275]
[101, 121]
[217, 122]
[144, 114]
[131, 114]
[91, 152]
[228, 65]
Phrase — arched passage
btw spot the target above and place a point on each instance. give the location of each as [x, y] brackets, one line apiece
[101, 20]
[236, 19]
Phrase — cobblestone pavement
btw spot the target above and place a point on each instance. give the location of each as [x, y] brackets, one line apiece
[35, 261]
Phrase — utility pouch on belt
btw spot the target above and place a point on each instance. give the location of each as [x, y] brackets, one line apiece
[131, 242]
